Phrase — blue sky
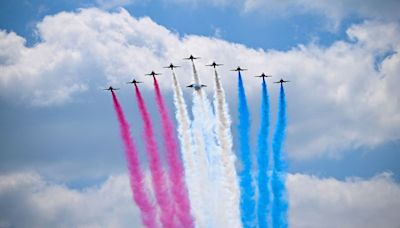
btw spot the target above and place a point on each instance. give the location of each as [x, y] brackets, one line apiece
[343, 63]
[254, 29]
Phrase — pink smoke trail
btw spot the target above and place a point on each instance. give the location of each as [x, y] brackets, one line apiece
[136, 177]
[157, 176]
[176, 172]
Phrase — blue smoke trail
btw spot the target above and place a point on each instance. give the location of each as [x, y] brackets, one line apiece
[280, 203]
[262, 161]
[247, 203]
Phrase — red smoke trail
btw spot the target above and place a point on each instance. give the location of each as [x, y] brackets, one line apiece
[176, 172]
[158, 180]
[147, 209]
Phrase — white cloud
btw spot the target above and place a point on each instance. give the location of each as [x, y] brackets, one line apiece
[339, 93]
[334, 10]
[27, 200]
[337, 99]
[355, 202]
[10, 47]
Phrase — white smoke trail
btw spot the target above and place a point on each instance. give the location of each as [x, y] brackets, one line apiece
[192, 167]
[205, 119]
[195, 75]
[230, 182]
[202, 162]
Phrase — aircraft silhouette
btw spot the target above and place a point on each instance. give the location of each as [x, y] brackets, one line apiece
[134, 82]
[263, 76]
[196, 86]
[152, 73]
[171, 66]
[111, 89]
[192, 58]
[238, 69]
[281, 81]
[213, 64]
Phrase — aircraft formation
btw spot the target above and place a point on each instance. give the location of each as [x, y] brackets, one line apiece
[195, 85]
[207, 157]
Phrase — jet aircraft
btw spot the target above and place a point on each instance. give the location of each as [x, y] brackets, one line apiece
[281, 81]
[192, 58]
[171, 66]
[134, 82]
[263, 76]
[196, 86]
[111, 89]
[238, 69]
[152, 73]
[213, 64]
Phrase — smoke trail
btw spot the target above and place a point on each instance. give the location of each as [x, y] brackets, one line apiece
[230, 181]
[176, 172]
[206, 207]
[158, 179]
[188, 156]
[280, 204]
[262, 161]
[195, 75]
[206, 115]
[209, 155]
[136, 177]
[247, 203]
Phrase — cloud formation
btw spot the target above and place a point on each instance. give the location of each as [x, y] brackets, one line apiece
[316, 202]
[334, 10]
[340, 96]
[27, 200]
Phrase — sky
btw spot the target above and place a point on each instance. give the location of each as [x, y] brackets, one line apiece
[60, 138]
